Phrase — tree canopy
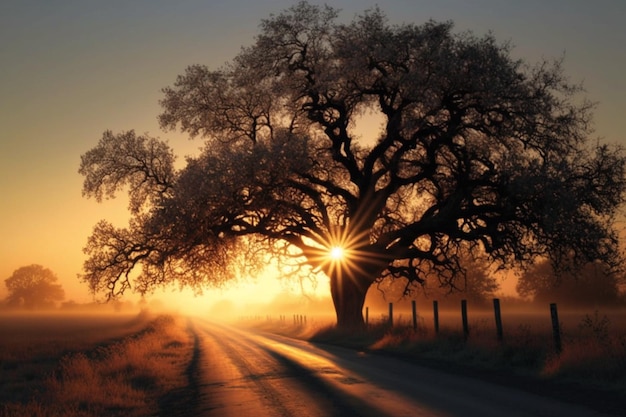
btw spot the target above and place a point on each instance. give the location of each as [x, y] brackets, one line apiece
[476, 152]
[33, 287]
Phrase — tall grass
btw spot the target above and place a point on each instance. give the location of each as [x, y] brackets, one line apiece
[31, 345]
[597, 353]
[124, 378]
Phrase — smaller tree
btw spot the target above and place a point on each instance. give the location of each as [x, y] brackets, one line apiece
[591, 285]
[477, 285]
[33, 287]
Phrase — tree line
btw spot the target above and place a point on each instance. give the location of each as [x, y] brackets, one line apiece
[35, 287]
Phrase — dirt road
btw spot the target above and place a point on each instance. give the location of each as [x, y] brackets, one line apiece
[237, 373]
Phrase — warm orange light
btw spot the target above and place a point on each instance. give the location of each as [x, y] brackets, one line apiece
[336, 253]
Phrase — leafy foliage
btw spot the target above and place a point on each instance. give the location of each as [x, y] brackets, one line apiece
[477, 151]
[33, 287]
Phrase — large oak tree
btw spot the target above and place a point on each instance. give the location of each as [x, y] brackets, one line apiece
[476, 151]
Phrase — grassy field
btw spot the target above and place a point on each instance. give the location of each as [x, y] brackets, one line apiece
[90, 365]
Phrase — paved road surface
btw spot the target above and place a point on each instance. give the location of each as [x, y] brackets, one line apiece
[242, 374]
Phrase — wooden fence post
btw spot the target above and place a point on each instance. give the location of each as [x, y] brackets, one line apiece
[367, 315]
[436, 315]
[464, 317]
[414, 311]
[390, 314]
[496, 310]
[556, 329]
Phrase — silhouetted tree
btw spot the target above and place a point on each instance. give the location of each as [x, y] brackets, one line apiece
[592, 285]
[476, 149]
[478, 285]
[33, 287]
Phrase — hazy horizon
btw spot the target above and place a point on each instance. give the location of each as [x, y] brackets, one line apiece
[72, 70]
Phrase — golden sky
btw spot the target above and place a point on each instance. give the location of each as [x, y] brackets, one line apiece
[71, 69]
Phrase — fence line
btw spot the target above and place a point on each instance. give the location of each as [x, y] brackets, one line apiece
[498, 317]
[556, 330]
[301, 319]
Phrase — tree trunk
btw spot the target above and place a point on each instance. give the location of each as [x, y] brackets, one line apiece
[348, 294]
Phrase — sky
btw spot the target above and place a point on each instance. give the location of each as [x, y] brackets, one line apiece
[71, 69]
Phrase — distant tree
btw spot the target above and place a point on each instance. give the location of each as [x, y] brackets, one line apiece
[69, 305]
[592, 285]
[478, 285]
[33, 287]
[476, 150]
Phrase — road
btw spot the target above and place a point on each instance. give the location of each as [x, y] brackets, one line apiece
[244, 374]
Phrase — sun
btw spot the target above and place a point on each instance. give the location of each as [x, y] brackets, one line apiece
[336, 253]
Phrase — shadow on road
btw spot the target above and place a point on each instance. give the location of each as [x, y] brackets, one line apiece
[184, 401]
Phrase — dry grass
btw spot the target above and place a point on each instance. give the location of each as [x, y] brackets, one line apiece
[596, 353]
[31, 345]
[124, 377]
